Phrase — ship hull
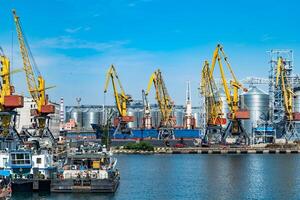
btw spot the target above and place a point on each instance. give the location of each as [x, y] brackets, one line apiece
[85, 185]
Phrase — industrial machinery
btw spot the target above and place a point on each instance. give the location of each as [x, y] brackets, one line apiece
[234, 128]
[166, 105]
[36, 88]
[8, 101]
[213, 106]
[147, 121]
[288, 97]
[122, 101]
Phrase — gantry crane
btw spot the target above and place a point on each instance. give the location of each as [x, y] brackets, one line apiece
[165, 104]
[288, 97]
[147, 121]
[8, 101]
[234, 127]
[36, 87]
[122, 101]
[213, 106]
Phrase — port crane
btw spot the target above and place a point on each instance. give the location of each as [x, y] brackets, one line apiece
[234, 127]
[36, 87]
[8, 101]
[122, 101]
[165, 104]
[213, 106]
[288, 96]
[147, 123]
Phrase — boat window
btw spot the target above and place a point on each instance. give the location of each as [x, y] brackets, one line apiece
[20, 158]
[5, 161]
[38, 160]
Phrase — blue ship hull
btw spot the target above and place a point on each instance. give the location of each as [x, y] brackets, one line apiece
[136, 134]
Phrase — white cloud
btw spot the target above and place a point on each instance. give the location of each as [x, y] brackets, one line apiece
[67, 42]
[73, 30]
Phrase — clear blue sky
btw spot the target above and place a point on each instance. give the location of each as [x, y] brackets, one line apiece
[75, 41]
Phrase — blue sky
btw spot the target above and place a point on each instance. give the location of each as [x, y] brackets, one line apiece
[75, 41]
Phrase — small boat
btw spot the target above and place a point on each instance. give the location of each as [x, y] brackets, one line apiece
[90, 168]
[29, 170]
[5, 184]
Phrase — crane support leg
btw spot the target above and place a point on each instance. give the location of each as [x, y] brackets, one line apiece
[166, 133]
[213, 135]
[235, 129]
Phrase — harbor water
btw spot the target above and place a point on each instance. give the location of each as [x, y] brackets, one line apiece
[197, 176]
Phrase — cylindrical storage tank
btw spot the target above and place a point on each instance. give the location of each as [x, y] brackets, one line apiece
[225, 108]
[179, 114]
[155, 117]
[90, 116]
[76, 114]
[140, 114]
[257, 103]
[297, 105]
[132, 112]
[297, 99]
[197, 117]
[102, 117]
[68, 115]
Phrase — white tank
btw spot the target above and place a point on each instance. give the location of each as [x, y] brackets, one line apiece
[76, 114]
[90, 116]
[179, 114]
[225, 108]
[297, 100]
[257, 102]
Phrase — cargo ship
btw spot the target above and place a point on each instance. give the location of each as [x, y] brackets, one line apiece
[89, 168]
[135, 134]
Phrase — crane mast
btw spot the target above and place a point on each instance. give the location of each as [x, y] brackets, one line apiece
[121, 98]
[165, 105]
[234, 127]
[36, 86]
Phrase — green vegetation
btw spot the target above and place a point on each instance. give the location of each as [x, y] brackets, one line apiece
[144, 146]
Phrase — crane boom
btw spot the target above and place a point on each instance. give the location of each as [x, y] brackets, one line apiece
[27, 66]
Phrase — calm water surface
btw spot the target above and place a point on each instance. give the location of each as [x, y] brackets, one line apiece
[162, 177]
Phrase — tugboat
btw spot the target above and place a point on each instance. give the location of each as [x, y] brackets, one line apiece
[88, 168]
[5, 184]
[29, 171]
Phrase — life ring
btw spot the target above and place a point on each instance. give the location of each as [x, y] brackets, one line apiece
[94, 175]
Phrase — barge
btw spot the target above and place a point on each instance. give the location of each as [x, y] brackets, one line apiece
[89, 168]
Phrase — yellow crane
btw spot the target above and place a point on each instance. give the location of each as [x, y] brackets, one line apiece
[288, 97]
[287, 90]
[236, 114]
[8, 101]
[35, 83]
[121, 98]
[213, 106]
[165, 104]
